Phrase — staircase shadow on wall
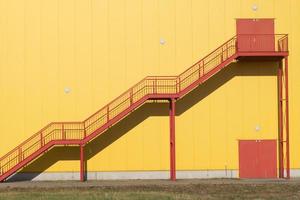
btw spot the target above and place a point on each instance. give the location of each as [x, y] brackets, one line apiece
[71, 153]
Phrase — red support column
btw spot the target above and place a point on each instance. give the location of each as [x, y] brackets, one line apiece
[172, 140]
[287, 118]
[81, 163]
[280, 122]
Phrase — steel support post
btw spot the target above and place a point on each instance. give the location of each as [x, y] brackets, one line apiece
[82, 163]
[172, 140]
[280, 121]
[287, 117]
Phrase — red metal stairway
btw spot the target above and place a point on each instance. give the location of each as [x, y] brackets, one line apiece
[151, 87]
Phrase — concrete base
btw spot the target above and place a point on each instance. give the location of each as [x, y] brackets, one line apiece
[295, 173]
[52, 176]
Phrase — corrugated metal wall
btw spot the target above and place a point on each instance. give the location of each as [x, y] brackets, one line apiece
[98, 48]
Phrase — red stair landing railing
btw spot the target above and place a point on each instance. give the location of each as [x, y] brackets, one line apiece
[151, 87]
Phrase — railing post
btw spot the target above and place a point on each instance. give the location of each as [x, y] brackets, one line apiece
[199, 68]
[84, 130]
[222, 59]
[131, 96]
[20, 154]
[226, 51]
[203, 68]
[287, 44]
[63, 132]
[107, 114]
[155, 86]
[41, 138]
[179, 83]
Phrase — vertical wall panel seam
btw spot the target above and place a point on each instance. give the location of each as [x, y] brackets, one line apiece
[75, 79]
[159, 65]
[24, 68]
[108, 48]
[92, 82]
[209, 99]
[41, 66]
[143, 69]
[175, 67]
[125, 74]
[157, 69]
[193, 111]
[58, 62]
[226, 93]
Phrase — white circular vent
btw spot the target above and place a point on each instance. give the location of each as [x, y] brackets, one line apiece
[257, 128]
[254, 7]
[162, 41]
[67, 90]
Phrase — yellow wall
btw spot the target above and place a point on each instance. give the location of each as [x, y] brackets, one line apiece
[99, 48]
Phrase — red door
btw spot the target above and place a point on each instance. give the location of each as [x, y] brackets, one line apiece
[255, 34]
[258, 158]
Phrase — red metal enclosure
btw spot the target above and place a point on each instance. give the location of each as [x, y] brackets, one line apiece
[258, 158]
[255, 34]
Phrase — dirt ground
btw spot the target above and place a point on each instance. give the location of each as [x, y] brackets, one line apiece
[154, 189]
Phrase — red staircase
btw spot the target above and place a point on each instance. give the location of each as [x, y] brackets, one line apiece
[151, 87]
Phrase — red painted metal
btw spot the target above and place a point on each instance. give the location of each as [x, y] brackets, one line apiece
[257, 159]
[84, 129]
[255, 26]
[151, 87]
[263, 44]
[283, 44]
[280, 121]
[283, 119]
[82, 167]
[41, 139]
[248, 153]
[20, 154]
[255, 34]
[287, 118]
[172, 140]
[252, 43]
[63, 132]
[268, 158]
[264, 54]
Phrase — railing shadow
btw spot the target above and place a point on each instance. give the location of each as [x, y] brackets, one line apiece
[64, 153]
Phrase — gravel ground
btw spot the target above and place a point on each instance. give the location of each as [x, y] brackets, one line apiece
[154, 189]
[121, 183]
